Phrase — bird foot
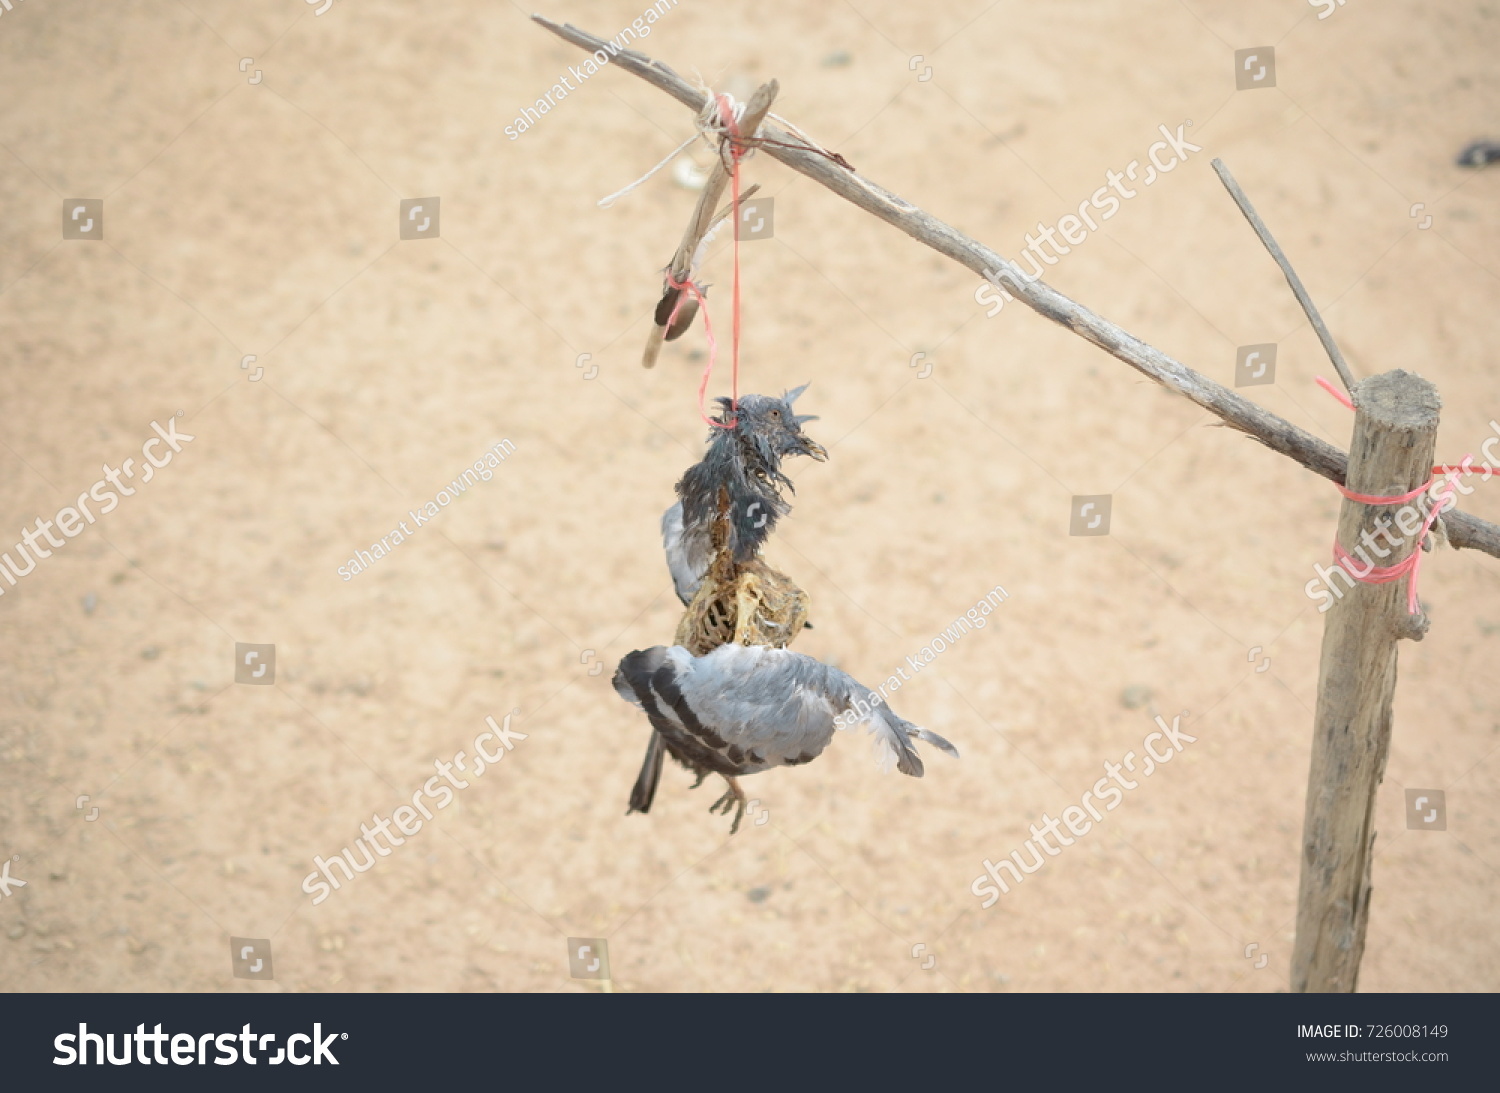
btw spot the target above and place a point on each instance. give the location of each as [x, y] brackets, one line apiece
[734, 797]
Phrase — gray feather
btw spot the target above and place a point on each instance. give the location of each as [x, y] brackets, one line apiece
[687, 557]
[743, 462]
[760, 707]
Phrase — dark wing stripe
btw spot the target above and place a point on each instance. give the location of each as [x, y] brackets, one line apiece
[634, 680]
[637, 670]
[682, 745]
[664, 682]
[633, 676]
[696, 756]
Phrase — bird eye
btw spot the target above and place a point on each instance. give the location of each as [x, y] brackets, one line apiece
[775, 415]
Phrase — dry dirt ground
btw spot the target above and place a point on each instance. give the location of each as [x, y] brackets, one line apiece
[261, 218]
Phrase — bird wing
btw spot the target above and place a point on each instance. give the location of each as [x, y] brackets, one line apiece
[763, 707]
[687, 557]
[760, 701]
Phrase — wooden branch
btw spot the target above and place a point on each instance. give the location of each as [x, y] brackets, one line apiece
[1240, 413]
[1395, 432]
[1292, 279]
[663, 327]
[756, 109]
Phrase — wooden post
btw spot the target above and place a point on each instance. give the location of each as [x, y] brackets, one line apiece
[1395, 432]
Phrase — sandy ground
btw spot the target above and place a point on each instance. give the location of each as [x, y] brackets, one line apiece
[261, 219]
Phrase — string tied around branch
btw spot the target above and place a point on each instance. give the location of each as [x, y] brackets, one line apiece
[720, 115]
[1411, 565]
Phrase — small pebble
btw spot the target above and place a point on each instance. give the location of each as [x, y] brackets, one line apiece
[90, 601]
[839, 58]
[1135, 696]
[759, 895]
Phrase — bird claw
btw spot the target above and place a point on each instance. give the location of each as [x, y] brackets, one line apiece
[731, 799]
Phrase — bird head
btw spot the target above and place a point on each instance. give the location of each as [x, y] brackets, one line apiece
[768, 429]
[744, 460]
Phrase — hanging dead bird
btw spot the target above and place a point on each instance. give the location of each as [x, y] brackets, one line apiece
[730, 502]
[747, 604]
[728, 697]
[744, 462]
[742, 709]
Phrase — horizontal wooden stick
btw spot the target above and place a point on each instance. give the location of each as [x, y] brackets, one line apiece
[1240, 413]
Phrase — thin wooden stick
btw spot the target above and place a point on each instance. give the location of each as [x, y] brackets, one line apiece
[1464, 530]
[689, 309]
[1292, 279]
[1395, 429]
[756, 109]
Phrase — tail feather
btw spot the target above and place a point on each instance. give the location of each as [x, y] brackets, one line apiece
[893, 736]
[932, 738]
[632, 681]
[645, 785]
[892, 748]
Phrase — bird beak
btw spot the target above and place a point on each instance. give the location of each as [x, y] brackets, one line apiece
[808, 446]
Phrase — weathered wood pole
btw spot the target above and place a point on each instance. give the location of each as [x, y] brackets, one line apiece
[1395, 432]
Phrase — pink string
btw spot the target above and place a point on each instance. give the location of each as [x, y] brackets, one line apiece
[736, 153]
[1334, 391]
[1371, 499]
[686, 286]
[1412, 563]
[1464, 468]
